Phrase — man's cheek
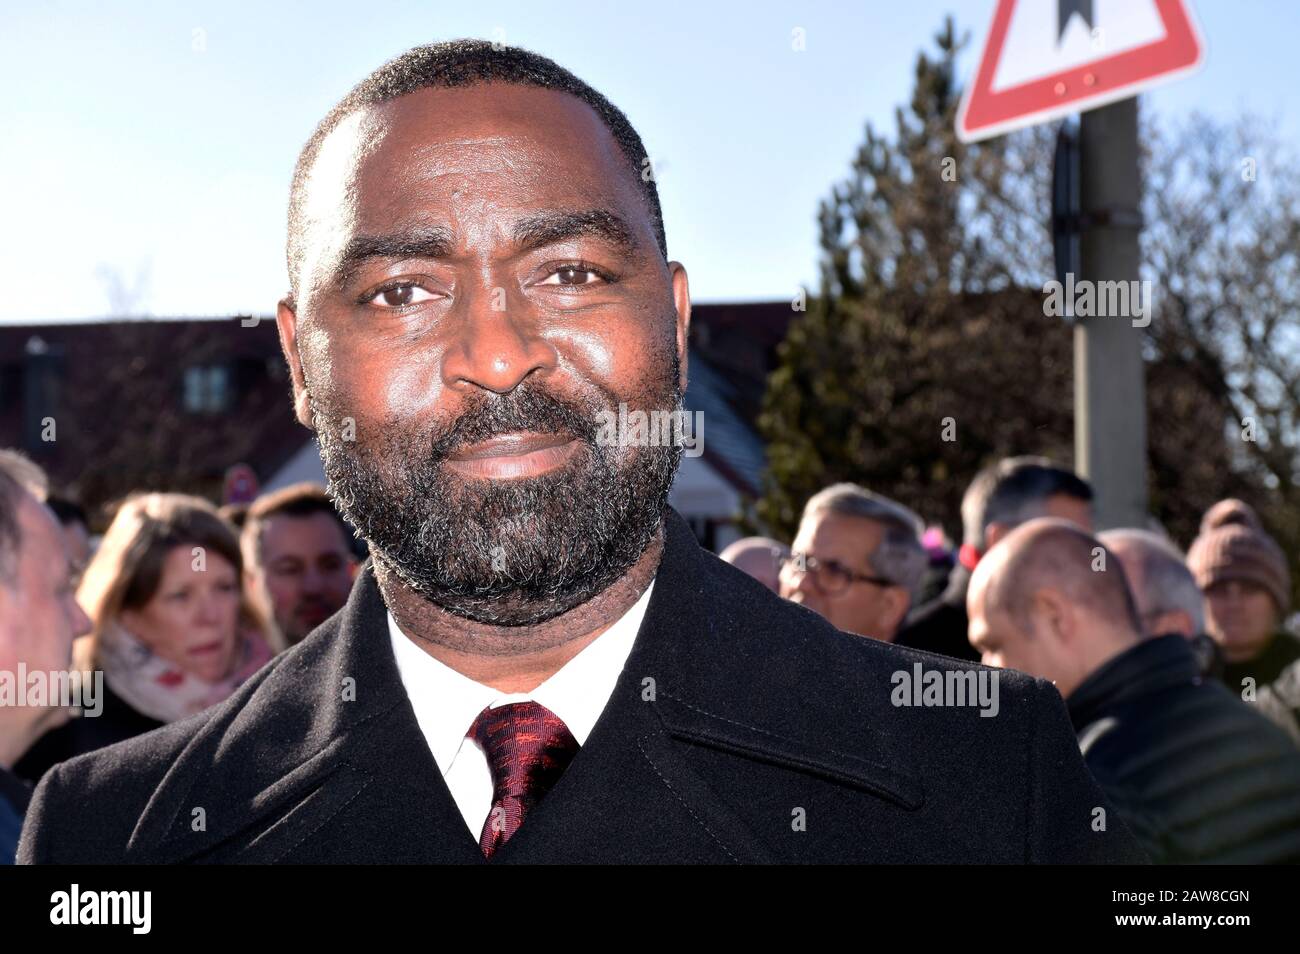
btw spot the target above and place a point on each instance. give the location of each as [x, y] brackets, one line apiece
[586, 353]
[409, 386]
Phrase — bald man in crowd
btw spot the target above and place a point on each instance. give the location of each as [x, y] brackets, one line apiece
[1168, 599]
[1193, 772]
[760, 557]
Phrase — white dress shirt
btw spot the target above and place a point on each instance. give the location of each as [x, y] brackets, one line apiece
[446, 704]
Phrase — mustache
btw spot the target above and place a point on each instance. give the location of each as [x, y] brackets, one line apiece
[523, 409]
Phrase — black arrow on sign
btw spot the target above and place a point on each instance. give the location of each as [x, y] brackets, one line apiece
[1068, 8]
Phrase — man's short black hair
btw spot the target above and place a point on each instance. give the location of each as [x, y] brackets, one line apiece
[466, 63]
[1014, 490]
[67, 511]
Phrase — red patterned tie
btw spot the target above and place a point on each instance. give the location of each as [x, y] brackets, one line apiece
[528, 747]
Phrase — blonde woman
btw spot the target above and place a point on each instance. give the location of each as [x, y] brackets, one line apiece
[173, 631]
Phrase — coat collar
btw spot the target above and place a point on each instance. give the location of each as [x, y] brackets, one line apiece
[1149, 666]
[300, 743]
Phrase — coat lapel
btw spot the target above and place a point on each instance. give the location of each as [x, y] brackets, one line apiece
[628, 796]
[636, 792]
[324, 740]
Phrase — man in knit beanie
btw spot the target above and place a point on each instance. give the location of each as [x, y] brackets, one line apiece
[1243, 574]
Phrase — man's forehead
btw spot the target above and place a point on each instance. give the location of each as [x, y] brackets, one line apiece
[469, 161]
[41, 527]
[981, 577]
[485, 110]
[984, 620]
[428, 145]
[286, 528]
[827, 525]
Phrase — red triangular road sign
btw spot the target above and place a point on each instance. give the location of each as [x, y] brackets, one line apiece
[1046, 58]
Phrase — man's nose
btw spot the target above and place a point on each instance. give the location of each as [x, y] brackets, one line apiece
[496, 345]
[316, 581]
[803, 583]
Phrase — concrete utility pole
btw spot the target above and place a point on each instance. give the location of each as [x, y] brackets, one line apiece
[1109, 388]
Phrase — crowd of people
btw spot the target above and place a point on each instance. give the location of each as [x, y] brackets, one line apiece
[179, 603]
[1178, 673]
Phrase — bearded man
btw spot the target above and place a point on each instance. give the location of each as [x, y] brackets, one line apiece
[539, 663]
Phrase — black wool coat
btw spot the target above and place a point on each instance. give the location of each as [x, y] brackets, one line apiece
[743, 728]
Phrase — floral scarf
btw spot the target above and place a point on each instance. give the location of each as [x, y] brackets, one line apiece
[161, 689]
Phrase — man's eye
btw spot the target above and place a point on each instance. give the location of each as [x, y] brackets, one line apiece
[573, 275]
[399, 296]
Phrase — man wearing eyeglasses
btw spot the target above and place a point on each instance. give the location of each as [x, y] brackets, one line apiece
[856, 560]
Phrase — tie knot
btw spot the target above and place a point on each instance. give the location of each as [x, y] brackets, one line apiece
[527, 746]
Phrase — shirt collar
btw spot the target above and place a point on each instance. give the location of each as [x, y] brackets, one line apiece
[446, 702]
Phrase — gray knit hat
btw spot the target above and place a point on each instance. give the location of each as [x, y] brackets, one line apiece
[1234, 546]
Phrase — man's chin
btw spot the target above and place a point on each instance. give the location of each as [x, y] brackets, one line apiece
[510, 610]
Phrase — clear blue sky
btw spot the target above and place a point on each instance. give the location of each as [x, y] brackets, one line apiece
[129, 141]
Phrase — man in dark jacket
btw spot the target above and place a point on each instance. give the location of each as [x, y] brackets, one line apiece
[1195, 773]
[999, 499]
[539, 663]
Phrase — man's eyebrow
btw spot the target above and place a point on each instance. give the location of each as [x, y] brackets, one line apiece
[545, 228]
[430, 241]
[436, 241]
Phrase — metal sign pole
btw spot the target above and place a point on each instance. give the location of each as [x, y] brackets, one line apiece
[1109, 387]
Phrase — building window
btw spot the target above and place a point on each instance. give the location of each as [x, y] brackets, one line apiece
[207, 389]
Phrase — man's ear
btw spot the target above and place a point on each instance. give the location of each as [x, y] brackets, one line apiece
[897, 602]
[286, 322]
[993, 533]
[682, 300]
[1053, 615]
